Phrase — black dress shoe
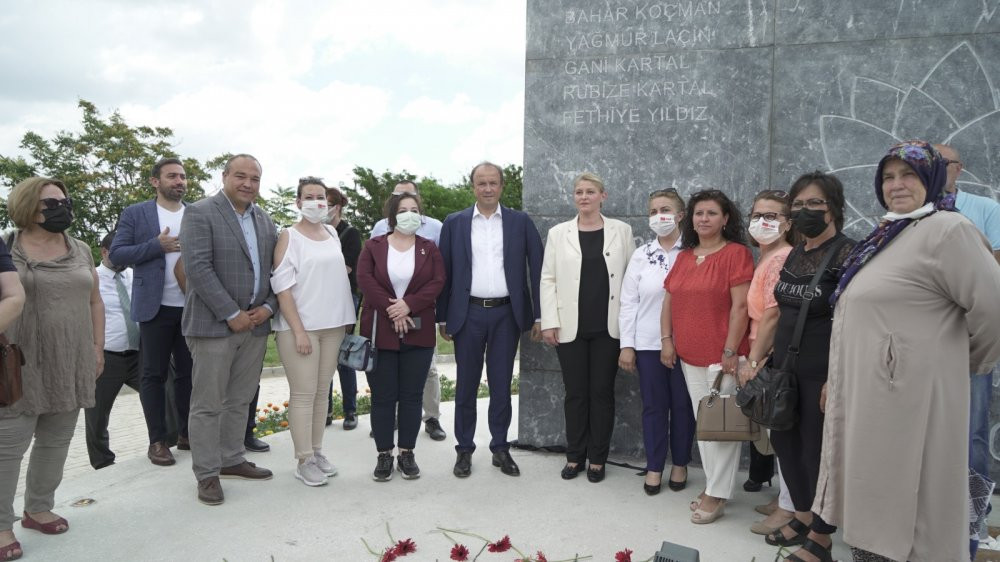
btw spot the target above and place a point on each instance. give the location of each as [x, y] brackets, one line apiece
[753, 486]
[570, 472]
[463, 465]
[506, 463]
[255, 445]
[350, 421]
[650, 489]
[595, 475]
[433, 427]
[678, 486]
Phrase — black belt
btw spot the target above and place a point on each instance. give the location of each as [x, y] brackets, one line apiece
[489, 303]
[128, 353]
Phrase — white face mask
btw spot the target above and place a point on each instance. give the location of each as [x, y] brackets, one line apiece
[314, 210]
[765, 231]
[407, 222]
[662, 224]
[331, 214]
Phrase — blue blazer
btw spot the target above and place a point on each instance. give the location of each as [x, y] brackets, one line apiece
[136, 245]
[522, 265]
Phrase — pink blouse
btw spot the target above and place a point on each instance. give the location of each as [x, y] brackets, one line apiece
[761, 295]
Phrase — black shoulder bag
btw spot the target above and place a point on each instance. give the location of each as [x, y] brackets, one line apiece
[770, 398]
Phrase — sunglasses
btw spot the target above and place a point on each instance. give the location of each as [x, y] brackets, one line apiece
[774, 192]
[664, 191]
[53, 203]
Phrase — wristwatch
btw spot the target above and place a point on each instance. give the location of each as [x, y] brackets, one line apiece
[728, 353]
[754, 363]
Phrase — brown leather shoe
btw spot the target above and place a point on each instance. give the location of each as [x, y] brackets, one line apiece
[183, 444]
[160, 454]
[246, 470]
[210, 491]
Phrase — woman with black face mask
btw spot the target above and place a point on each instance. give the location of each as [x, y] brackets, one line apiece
[817, 212]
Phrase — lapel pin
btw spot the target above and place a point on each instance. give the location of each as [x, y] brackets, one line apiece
[423, 252]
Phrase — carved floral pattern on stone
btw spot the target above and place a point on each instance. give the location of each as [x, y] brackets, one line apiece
[955, 104]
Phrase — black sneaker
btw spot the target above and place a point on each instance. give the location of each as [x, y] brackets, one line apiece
[383, 469]
[408, 465]
[433, 428]
[350, 421]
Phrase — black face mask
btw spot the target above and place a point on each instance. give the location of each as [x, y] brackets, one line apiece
[57, 220]
[810, 223]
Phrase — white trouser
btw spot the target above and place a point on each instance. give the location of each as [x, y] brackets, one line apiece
[720, 459]
[784, 498]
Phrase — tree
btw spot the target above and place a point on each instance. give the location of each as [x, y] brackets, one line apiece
[281, 206]
[105, 168]
[367, 197]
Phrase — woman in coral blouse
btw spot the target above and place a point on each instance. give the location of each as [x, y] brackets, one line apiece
[706, 301]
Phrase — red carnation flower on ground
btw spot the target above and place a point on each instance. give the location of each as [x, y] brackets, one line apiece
[389, 555]
[541, 557]
[502, 545]
[459, 553]
[405, 547]
[623, 556]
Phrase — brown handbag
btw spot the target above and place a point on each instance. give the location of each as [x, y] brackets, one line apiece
[720, 419]
[11, 360]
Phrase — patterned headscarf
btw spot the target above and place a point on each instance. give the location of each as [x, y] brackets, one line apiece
[930, 166]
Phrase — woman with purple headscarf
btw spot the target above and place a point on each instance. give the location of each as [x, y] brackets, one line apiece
[917, 307]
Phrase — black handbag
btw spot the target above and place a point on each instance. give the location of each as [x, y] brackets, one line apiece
[358, 352]
[771, 397]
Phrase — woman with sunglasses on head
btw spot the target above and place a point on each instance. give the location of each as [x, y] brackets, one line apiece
[314, 308]
[817, 214]
[667, 417]
[63, 343]
[770, 230]
[704, 322]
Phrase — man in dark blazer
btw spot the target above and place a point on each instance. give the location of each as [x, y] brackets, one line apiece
[228, 249]
[493, 261]
[147, 240]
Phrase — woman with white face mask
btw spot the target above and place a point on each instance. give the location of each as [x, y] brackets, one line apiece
[400, 275]
[667, 413]
[315, 307]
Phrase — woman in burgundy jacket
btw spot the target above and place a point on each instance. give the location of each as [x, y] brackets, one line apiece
[400, 276]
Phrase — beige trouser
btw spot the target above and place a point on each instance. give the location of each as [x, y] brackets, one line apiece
[432, 391]
[719, 458]
[224, 379]
[52, 433]
[309, 379]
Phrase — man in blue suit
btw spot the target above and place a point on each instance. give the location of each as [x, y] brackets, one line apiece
[147, 239]
[493, 261]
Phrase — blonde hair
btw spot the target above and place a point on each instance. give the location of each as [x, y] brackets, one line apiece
[592, 178]
[22, 203]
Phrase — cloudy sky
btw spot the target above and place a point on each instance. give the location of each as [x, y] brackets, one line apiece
[309, 87]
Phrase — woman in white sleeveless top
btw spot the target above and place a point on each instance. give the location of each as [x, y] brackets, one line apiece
[314, 308]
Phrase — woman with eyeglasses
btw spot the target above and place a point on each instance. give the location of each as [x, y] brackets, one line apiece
[62, 339]
[314, 308]
[400, 275]
[704, 322]
[770, 230]
[817, 205]
[667, 417]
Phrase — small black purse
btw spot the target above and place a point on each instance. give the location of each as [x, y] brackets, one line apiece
[770, 398]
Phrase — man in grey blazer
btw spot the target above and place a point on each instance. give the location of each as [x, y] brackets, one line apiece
[228, 247]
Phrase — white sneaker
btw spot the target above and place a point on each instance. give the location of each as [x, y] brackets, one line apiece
[309, 473]
[324, 464]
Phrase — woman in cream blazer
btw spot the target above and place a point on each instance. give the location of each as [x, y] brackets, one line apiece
[585, 260]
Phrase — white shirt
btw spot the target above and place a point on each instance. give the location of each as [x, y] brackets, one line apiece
[115, 334]
[642, 295]
[316, 273]
[430, 228]
[172, 295]
[400, 266]
[488, 279]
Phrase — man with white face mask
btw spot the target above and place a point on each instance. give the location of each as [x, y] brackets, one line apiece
[429, 228]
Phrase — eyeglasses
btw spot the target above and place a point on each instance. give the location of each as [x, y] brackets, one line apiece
[53, 203]
[402, 193]
[766, 216]
[773, 192]
[811, 204]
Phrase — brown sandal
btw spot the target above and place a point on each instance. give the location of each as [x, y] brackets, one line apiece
[7, 552]
[51, 528]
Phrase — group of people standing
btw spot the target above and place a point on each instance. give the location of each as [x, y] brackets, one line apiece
[893, 325]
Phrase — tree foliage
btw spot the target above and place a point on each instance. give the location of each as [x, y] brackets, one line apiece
[105, 167]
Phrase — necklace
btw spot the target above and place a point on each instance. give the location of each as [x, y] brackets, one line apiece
[698, 260]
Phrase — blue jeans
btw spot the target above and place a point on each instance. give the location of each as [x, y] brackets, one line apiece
[348, 378]
[979, 422]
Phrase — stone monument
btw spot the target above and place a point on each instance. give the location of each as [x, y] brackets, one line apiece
[741, 96]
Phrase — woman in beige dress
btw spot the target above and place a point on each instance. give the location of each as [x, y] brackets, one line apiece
[916, 310]
[62, 337]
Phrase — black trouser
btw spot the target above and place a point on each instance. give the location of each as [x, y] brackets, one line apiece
[119, 369]
[761, 466]
[161, 340]
[397, 383]
[252, 417]
[589, 365]
[799, 450]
